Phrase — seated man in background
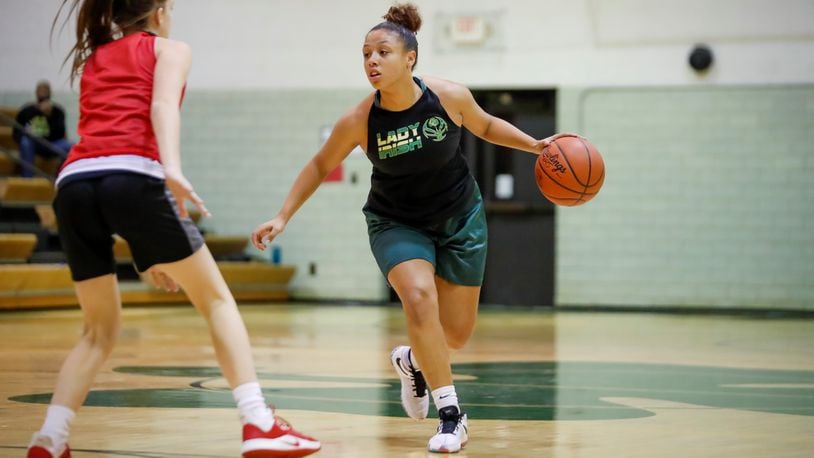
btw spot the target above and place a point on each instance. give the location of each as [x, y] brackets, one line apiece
[44, 120]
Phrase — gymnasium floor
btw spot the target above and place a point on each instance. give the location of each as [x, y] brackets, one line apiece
[535, 383]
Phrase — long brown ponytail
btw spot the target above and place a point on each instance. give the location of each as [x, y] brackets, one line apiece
[101, 21]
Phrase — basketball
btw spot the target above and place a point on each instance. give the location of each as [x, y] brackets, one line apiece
[570, 171]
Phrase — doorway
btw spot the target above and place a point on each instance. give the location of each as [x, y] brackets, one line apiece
[520, 261]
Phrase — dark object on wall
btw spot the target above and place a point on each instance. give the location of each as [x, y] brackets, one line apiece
[701, 58]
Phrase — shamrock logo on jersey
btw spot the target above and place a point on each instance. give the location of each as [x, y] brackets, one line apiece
[435, 128]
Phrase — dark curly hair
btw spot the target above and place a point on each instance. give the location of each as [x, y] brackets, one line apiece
[404, 20]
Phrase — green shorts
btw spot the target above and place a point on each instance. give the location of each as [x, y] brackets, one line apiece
[456, 247]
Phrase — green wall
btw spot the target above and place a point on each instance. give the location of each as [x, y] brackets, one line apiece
[708, 200]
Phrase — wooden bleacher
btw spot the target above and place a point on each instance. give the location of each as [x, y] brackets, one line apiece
[219, 245]
[16, 248]
[24, 286]
[33, 273]
[6, 138]
[7, 166]
[35, 285]
[25, 192]
[41, 285]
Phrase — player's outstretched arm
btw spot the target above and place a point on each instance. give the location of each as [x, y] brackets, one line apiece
[489, 127]
[344, 138]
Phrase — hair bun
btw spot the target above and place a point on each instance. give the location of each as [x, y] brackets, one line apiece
[405, 15]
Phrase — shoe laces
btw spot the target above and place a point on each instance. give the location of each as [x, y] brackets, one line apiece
[417, 378]
[419, 384]
[450, 419]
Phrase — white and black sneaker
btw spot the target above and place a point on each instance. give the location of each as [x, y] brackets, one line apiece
[453, 432]
[414, 397]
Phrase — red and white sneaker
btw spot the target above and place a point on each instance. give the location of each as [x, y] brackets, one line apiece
[43, 447]
[281, 441]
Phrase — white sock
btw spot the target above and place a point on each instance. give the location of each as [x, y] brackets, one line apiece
[445, 397]
[57, 424]
[252, 406]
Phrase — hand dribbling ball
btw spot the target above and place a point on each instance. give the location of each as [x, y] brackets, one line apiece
[570, 171]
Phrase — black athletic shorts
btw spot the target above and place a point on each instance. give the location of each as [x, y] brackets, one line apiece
[137, 207]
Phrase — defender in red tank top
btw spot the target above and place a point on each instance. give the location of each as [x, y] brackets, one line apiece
[124, 177]
[116, 94]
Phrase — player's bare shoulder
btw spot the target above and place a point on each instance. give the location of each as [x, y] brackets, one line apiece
[445, 89]
[173, 49]
[356, 116]
[361, 111]
[454, 97]
[351, 127]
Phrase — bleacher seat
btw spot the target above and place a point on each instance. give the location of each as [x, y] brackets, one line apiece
[6, 140]
[222, 247]
[33, 273]
[225, 246]
[7, 166]
[49, 285]
[16, 248]
[35, 285]
[17, 191]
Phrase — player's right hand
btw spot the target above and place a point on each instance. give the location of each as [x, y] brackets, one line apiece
[182, 190]
[267, 231]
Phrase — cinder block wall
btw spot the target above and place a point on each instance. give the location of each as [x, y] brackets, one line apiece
[243, 150]
[708, 199]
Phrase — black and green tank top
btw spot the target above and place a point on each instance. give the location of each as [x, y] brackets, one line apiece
[419, 174]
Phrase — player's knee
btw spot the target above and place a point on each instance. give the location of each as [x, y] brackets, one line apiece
[420, 304]
[457, 338]
[216, 305]
[102, 336]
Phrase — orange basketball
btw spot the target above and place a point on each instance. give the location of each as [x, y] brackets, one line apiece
[570, 171]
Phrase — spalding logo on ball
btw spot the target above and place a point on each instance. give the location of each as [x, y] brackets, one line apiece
[570, 171]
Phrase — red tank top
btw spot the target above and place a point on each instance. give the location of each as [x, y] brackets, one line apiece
[115, 99]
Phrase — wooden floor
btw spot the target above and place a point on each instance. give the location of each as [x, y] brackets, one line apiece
[567, 384]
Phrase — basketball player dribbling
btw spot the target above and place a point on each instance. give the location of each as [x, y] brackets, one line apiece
[424, 212]
[124, 176]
